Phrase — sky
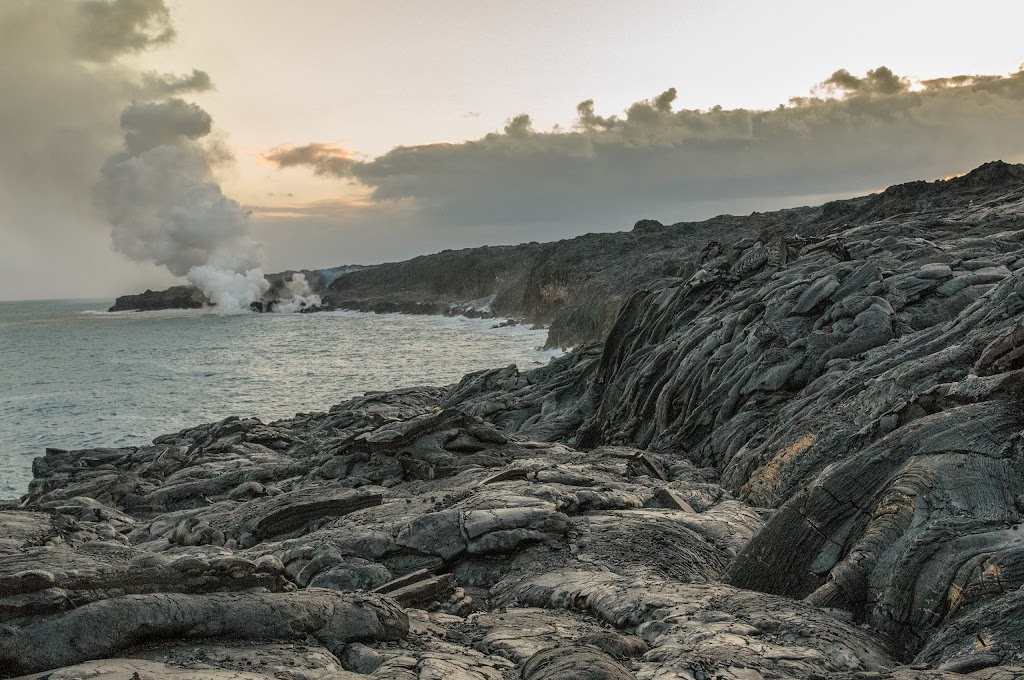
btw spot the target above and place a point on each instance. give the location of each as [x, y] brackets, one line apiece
[314, 133]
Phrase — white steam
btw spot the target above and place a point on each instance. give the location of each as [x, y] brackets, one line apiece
[165, 207]
[231, 292]
[300, 296]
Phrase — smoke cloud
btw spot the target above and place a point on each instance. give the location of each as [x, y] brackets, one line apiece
[165, 207]
[65, 77]
[856, 133]
[105, 30]
[169, 84]
[160, 195]
[76, 96]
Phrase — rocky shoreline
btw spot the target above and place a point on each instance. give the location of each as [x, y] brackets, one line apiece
[801, 458]
[576, 287]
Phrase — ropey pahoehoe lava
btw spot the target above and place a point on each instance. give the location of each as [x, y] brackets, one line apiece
[801, 459]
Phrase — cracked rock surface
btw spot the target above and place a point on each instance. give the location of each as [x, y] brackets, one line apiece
[802, 459]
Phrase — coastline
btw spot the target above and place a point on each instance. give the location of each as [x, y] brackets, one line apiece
[119, 379]
[803, 460]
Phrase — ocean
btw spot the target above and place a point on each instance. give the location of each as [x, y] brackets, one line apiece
[74, 376]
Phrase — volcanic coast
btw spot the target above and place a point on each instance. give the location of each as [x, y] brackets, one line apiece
[786, 445]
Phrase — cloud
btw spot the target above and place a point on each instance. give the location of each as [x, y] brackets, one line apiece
[854, 134]
[877, 81]
[105, 30]
[65, 83]
[66, 75]
[322, 159]
[83, 129]
[151, 124]
[168, 84]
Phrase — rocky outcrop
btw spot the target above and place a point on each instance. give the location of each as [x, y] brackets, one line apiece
[190, 297]
[175, 297]
[802, 459]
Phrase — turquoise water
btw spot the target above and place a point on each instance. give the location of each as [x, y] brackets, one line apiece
[74, 376]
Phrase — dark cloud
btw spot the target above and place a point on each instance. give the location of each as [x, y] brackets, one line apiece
[962, 81]
[168, 84]
[519, 127]
[66, 78]
[862, 133]
[877, 81]
[105, 30]
[150, 124]
[322, 159]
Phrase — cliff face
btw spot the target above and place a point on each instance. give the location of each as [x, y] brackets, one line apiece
[802, 459]
[575, 286]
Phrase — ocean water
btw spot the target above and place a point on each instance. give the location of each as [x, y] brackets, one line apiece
[74, 376]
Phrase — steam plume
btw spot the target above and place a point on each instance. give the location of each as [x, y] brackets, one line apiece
[300, 295]
[160, 196]
[230, 291]
[65, 74]
[66, 65]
